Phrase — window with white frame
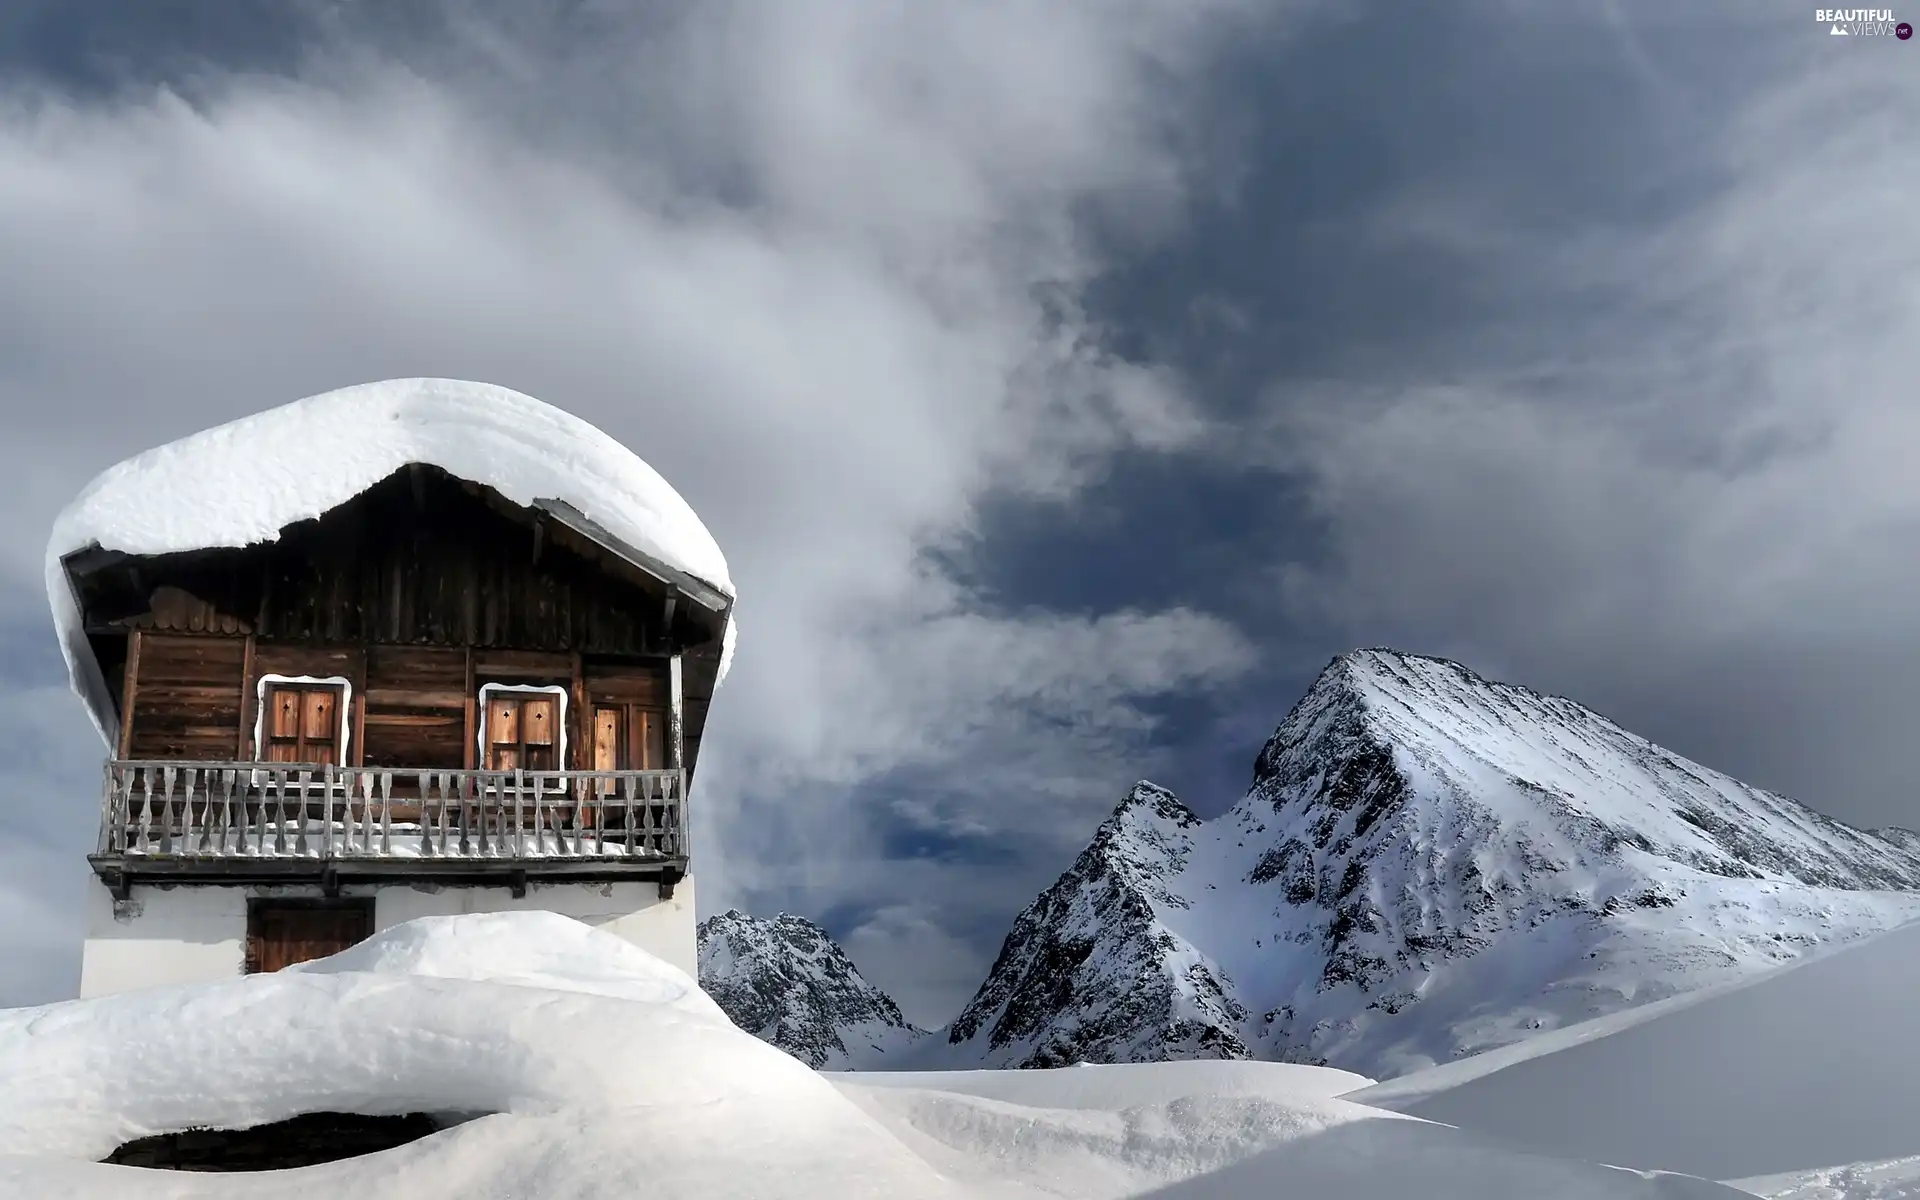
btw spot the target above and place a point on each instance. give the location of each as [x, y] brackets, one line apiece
[523, 727]
[302, 720]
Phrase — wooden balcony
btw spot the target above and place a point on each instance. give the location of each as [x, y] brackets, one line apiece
[256, 822]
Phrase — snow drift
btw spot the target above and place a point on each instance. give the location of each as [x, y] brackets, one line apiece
[243, 482]
[1814, 1065]
[607, 1073]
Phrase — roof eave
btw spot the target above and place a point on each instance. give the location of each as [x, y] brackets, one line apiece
[692, 587]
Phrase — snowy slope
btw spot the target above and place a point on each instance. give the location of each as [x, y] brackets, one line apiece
[245, 481]
[1192, 1140]
[786, 982]
[632, 1083]
[608, 1073]
[1427, 865]
[1115, 1088]
[1813, 1065]
[1894, 1179]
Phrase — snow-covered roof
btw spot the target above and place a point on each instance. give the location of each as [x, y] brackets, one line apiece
[243, 482]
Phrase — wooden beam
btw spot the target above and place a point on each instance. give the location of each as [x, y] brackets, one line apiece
[129, 691]
[582, 717]
[473, 727]
[358, 751]
[240, 752]
[676, 745]
[694, 588]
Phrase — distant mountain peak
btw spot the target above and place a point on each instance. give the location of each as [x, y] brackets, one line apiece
[1150, 798]
[1428, 863]
[784, 980]
[1148, 812]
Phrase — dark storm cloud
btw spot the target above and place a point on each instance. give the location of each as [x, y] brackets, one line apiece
[1575, 343]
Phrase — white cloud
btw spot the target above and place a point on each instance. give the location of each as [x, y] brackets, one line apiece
[817, 262]
[1713, 481]
[914, 960]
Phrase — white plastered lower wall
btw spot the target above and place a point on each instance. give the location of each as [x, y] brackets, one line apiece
[633, 910]
[192, 933]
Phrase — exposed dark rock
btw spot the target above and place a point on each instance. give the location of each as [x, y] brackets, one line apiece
[788, 983]
[301, 1141]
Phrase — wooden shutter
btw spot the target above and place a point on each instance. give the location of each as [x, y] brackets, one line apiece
[523, 732]
[301, 723]
[540, 732]
[649, 739]
[503, 734]
[606, 738]
[629, 737]
[320, 725]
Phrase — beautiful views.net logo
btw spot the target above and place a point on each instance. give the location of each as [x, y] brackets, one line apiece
[1862, 22]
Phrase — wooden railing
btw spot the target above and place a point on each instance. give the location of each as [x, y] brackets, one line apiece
[228, 810]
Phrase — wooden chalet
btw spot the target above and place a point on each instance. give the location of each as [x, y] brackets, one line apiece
[428, 688]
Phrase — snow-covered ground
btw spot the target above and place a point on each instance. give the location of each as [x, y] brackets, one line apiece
[1895, 1179]
[1772, 1081]
[604, 1072]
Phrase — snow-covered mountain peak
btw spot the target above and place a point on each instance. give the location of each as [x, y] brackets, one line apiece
[1417, 703]
[1428, 863]
[1147, 803]
[1544, 774]
[1148, 836]
[786, 981]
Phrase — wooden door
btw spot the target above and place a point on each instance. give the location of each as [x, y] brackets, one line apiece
[279, 935]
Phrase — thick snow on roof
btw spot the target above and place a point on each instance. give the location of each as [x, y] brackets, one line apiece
[607, 1073]
[242, 482]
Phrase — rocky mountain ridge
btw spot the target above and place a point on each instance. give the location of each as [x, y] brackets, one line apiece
[1427, 864]
[785, 981]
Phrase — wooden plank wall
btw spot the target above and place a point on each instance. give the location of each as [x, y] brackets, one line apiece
[416, 707]
[432, 564]
[187, 702]
[609, 681]
[418, 591]
[196, 696]
[643, 683]
[522, 666]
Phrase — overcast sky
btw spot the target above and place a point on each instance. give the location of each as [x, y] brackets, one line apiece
[1066, 381]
